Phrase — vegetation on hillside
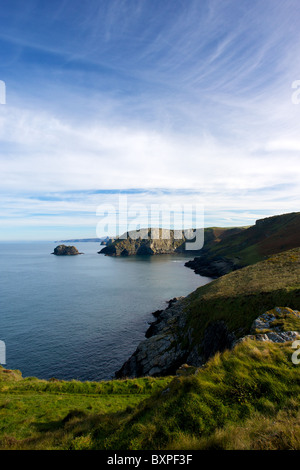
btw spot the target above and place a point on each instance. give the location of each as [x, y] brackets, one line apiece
[241, 296]
[268, 236]
[247, 398]
[36, 413]
[214, 316]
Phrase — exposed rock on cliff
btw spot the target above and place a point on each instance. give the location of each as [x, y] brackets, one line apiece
[167, 348]
[214, 267]
[270, 326]
[166, 351]
[148, 242]
[161, 353]
[63, 250]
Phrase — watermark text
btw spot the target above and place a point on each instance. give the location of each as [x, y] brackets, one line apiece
[152, 222]
[2, 92]
[2, 352]
[296, 354]
[296, 93]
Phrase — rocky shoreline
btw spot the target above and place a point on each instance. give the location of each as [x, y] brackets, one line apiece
[168, 345]
[164, 350]
[161, 352]
[213, 267]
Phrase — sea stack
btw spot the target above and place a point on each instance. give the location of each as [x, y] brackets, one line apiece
[63, 250]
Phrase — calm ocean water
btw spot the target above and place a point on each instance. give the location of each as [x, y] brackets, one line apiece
[80, 317]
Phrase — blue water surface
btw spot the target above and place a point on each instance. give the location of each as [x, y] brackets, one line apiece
[81, 317]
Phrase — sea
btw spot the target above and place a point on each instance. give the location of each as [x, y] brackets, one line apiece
[80, 317]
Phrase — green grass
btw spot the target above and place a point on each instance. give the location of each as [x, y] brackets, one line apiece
[241, 296]
[229, 403]
[30, 407]
[268, 236]
[278, 431]
[286, 321]
[252, 381]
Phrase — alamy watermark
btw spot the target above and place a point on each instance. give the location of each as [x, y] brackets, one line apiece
[2, 92]
[296, 93]
[154, 221]
[2, 352]
[296, 354]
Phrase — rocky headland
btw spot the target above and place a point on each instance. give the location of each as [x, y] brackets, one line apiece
[146, 242]
[154, 241]
[236, 249]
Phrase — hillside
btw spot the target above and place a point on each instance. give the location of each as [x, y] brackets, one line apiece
[245, 397]
[268, 236]
[37, 413]
[211, 318]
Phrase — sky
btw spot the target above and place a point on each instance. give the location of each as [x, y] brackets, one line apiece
[176, 102]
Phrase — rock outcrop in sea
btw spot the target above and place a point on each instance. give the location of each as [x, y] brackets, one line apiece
[64, 250]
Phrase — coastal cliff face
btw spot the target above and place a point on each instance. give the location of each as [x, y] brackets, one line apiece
[216, 316]
[149, 242]
[224, 250]
[167, 348]
[161, 241]
[162, 352]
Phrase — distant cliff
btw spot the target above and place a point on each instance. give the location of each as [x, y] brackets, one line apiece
[83, 240]
[148, 242]
[268, 236]
[162, 241]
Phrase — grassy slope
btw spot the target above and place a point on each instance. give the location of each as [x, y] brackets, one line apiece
[241, 296]
[215, 235]
[266, 237]
[255, 382]
[32, 410]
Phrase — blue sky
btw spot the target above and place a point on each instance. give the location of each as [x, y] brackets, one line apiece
[169, 101]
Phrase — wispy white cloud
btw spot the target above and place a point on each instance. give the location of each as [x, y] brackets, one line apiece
[118, 95]
[47, 154]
